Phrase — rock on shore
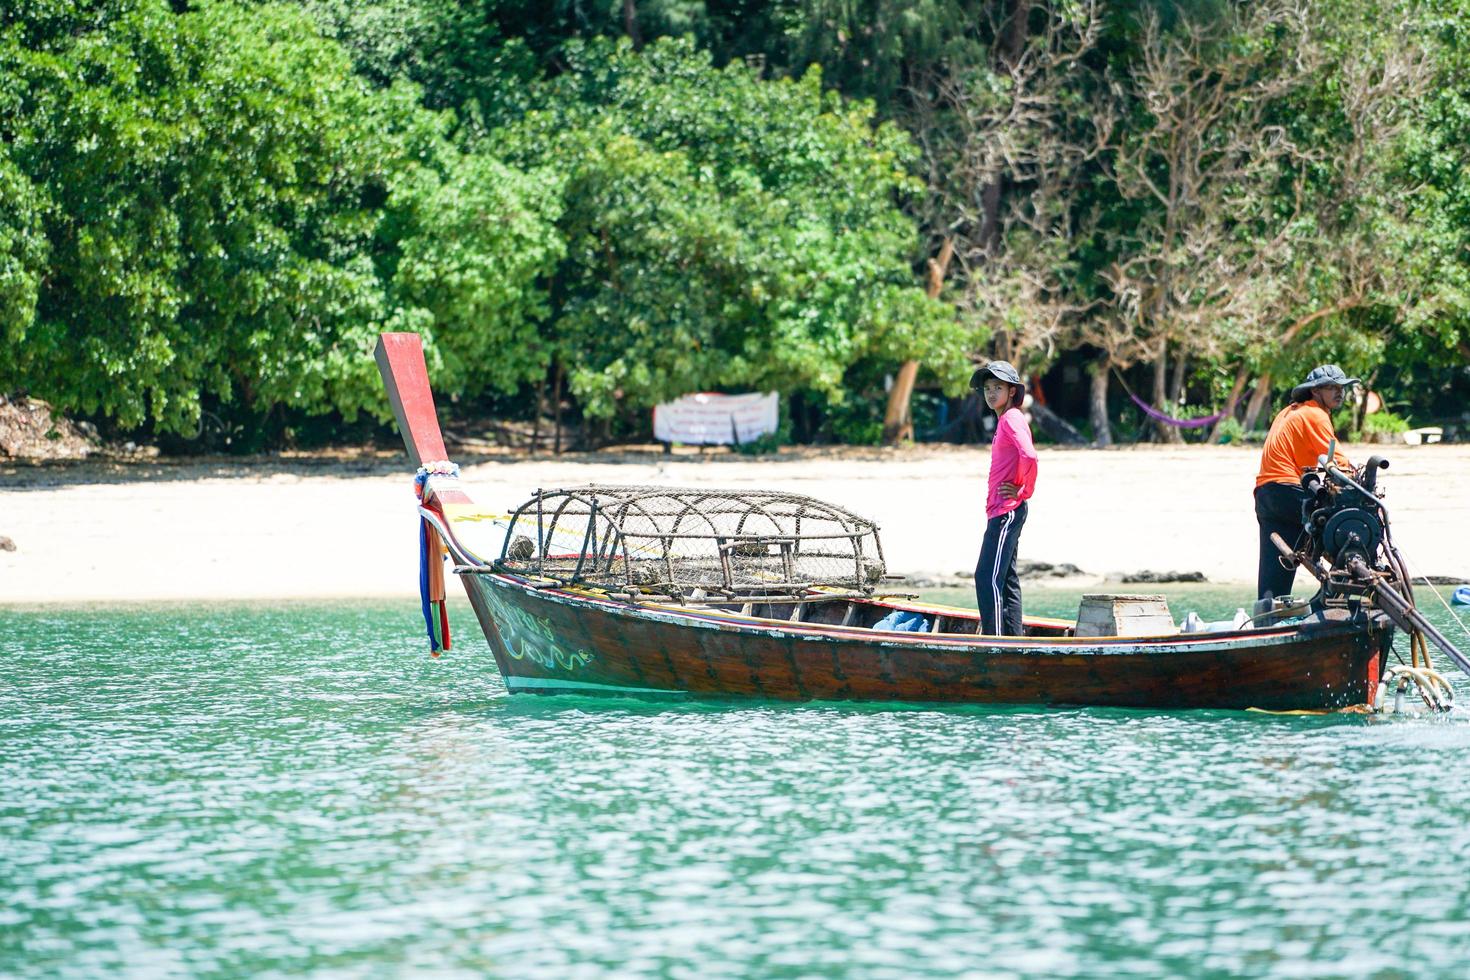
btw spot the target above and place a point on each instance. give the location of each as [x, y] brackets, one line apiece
[1148, 575]
[1029, 571]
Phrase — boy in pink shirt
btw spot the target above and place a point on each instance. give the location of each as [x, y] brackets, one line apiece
[1012, 481]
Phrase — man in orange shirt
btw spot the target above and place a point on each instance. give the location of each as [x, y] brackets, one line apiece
[1299, 435]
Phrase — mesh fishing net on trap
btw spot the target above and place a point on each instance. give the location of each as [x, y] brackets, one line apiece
[689, 543]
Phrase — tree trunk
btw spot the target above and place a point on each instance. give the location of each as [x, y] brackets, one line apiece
[1176, 381]
[536, 418]
[1055, 426]
[1260, 398]
[1242, 375]
[599, 434]
[630, 23]
[1002, 345]
[1097, 410]
[898, 423]
[1360, 414]
[1163, 432]
[1013, 34]
[972, 418]
[556, 410]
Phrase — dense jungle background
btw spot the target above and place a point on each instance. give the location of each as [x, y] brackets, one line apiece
[208, 210]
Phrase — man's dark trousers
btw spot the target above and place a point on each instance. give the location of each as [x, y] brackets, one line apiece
[1278, 509]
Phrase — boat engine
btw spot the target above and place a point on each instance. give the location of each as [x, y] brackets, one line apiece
[1343, 516]
[1347, 545]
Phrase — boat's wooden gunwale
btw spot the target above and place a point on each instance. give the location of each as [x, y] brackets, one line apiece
[716, 618]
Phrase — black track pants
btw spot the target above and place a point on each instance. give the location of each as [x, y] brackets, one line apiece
[997, 587]
[1279, 509]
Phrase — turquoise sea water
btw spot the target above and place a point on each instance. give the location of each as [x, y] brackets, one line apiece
[248, 790]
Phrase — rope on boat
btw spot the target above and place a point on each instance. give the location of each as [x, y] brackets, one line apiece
[1447, 607]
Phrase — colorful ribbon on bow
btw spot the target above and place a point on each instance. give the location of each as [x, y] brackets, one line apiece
[432, 595]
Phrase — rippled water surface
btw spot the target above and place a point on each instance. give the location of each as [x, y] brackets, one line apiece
[248, 790]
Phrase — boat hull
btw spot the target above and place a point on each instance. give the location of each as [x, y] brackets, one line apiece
[549, 641]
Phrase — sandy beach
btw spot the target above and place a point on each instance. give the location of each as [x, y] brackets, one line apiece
[314, 528]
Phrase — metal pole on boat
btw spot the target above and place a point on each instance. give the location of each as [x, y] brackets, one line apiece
[1404, 615]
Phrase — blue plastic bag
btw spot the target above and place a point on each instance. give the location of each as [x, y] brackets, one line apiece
[904, 622]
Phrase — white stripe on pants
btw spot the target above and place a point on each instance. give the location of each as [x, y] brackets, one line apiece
[994, 582]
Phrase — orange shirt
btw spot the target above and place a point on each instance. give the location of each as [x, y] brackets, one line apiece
[1299, 434]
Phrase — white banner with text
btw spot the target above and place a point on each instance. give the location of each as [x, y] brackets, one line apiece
[710, 419]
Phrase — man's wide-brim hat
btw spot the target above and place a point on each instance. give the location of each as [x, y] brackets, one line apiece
[1326, 374]
[999, 370]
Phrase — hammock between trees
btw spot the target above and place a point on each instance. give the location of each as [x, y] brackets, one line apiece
[1158, 416]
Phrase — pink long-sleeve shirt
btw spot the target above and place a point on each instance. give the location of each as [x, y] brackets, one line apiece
[1012, 460]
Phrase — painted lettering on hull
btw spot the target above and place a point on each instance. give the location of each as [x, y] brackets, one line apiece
[528, 637]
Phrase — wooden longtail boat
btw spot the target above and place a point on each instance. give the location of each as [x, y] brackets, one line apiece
[658, 592]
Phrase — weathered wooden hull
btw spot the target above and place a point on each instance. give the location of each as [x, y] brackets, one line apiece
[552, 641]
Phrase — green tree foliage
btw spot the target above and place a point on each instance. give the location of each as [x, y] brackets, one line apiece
[22, 260]
[476, 240]
[233, 214]
[211, 179]
[887, 51]
[1437, 168]
[216, 204]
[477, 57]
[722, 231]
[230, 205]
